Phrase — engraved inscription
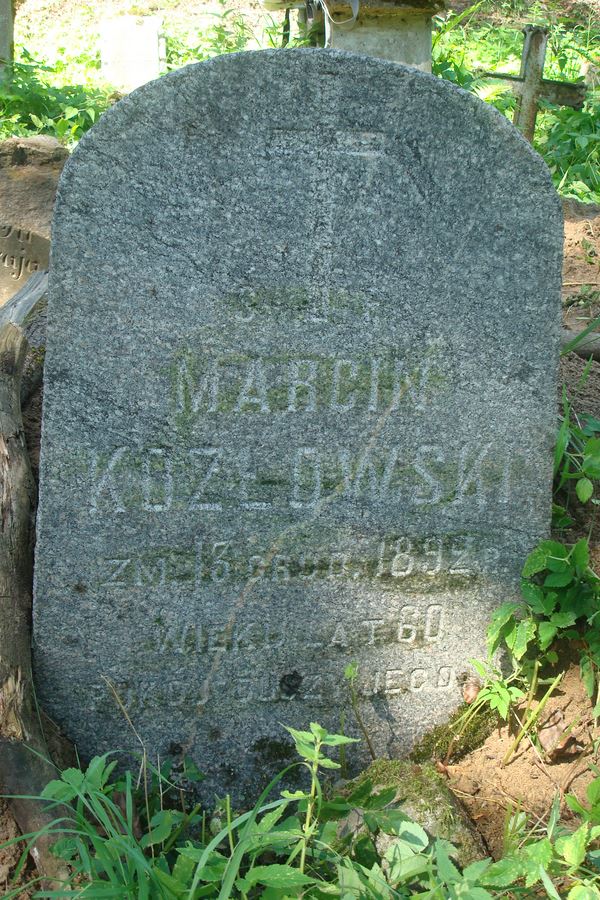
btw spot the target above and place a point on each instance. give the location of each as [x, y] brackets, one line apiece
[325, 687]
[390, 560]
[21, 252]
[234, 384]
[213, 478]
[410, 628]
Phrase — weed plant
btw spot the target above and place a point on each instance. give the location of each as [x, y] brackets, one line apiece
[29, 104]
[122, 843]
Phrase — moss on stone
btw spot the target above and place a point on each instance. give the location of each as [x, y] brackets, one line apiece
[436, 743]
[273, 751]
[424, 795]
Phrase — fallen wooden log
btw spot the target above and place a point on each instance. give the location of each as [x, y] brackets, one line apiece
[25, 766]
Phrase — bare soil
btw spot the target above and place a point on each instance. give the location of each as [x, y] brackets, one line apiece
[531, 779]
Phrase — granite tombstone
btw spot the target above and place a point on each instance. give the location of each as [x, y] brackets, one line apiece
[21, 254]
[300, 405]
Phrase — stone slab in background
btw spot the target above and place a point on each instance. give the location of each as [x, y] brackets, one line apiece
[300, 406]
[129, 50]
[29, 173]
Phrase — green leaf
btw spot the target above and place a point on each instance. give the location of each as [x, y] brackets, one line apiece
[306, 751]
[548, 884]
[557, 564]
[580, 555]
[554, 816]
[535, 562]
[381, 799]
[161, 826]
[447, 871]
[591, 458]
[270, 819]
[336, 740]
[477, 869]
[362, 792]
[59, 790]
[574, 804]
[563, 619]
[183, 870]
[533, 594]
[326, 763]
[588, 675]
[593, 792]
[501, 617]
[562, 442]
[74, 777]
[573, 848]
[518, 641]
[318, 731]
[503, 873]
[540, 854]
[390, 821]
[558, 579]
[304, 737]
[403, 867]
[584, 489]
[583, 892]
[278, 875]
[412, 833]
[546, 634]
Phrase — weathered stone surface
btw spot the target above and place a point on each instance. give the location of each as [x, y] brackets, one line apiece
[29, 173]
[21, 254]
[300, 404]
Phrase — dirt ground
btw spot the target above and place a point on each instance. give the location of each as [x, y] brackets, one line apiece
[530, 781]
[10, 856]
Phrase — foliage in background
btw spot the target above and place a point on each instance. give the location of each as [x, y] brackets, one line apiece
[569, 140]
[63, 95]
[122, 842]
[30, 105]
[229, 34]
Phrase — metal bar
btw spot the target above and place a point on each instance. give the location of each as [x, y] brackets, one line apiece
[532, 71]
[562, 93]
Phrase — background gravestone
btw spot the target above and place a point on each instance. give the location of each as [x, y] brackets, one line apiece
[29, 172]
[21, 254]
[300, 405]
[130, 50]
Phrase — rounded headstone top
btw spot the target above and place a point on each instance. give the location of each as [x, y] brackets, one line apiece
[237, 96]
[299, 405]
